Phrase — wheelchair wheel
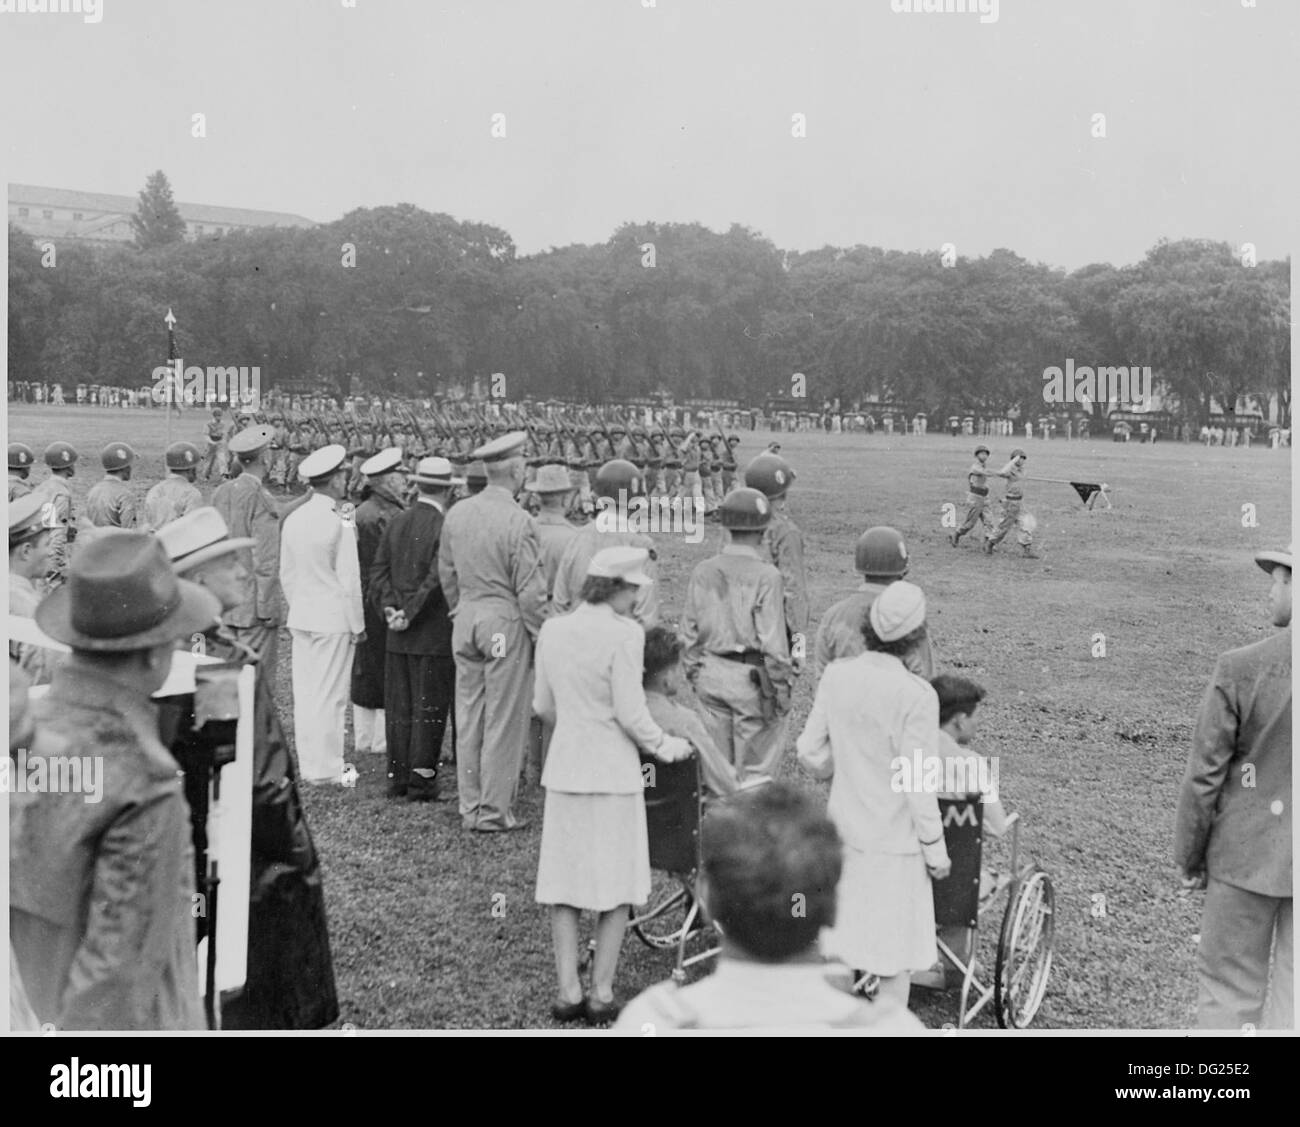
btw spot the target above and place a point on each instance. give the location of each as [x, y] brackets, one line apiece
[658, 924]
[1025, 951]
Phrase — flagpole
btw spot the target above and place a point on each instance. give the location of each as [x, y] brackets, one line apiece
[170, 319]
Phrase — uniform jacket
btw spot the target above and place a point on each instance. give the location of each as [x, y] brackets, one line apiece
[572, 571]
[100, 893]
[784, 543]
[247, 509]
[555, 534]
[18, 487]
[1014, 474]
[59, 494]
[734, 603]
[490, 557]
[36, 661]
[405, 575]
[320, 571]
[372, 517]
[172, 497]
[111, 503]
[588, 684]
[840, 634]
[1241, 834]
[868, 712]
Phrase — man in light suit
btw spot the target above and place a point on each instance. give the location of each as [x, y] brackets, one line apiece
[1233, 832]
[489, 563]
[321, 576]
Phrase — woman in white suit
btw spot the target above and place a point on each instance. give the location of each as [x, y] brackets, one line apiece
[869, 713]
[595, 852]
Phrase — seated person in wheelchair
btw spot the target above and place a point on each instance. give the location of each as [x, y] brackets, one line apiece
[761, 852]
[662, 680]
[958, 724]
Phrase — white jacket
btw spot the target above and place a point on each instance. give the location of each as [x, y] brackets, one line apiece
[320, 570]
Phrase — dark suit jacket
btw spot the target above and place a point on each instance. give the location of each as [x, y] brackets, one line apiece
[1234, 813]
[405, 575]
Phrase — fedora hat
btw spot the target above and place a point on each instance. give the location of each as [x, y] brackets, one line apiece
[435, 471]
[550, 479]
[197, 537]
[122, 594]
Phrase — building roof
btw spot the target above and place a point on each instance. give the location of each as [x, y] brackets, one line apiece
[190, 212]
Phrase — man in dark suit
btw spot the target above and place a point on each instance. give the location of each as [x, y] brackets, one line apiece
[1233, 833]
[420, 671]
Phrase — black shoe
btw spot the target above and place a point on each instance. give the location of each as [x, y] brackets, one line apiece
[602, 1013]
[569, 1011]
[426, 790]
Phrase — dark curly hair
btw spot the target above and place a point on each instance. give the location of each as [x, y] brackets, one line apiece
[898, 648]
[663, 649]
[772, 860]
[597, 589]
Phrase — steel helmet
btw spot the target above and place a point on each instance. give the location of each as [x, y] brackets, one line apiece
[982, 450]
[116, 456]
[745, 509]
[615, 475]
[881, 553]
[21, 456]
[182, 456]
[58, 454]
[1018, 453]
[769, 473]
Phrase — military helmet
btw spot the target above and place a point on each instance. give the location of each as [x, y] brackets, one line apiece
[116, 456]
[733, 440]
[881, 552]
[616, 429]
[21, 456]
[981, 450]
[615, 475]
[770, 473]
[745, 509]
[677, 432]
[1018, 453]
[181, 456]
[58, 454]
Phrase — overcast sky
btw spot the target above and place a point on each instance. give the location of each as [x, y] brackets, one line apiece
[922, 129]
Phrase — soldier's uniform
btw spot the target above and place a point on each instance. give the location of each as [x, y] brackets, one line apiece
[21, 458]
[249, 512]
[736, 654]
[111, 503]
[691, 487]
[216, 455]
[176, 494]
[1009, 515]
[729, 466]
[673, 464]
[29, 518]
[772, 476]
[55, 489]
[976, 498]
[489, 564]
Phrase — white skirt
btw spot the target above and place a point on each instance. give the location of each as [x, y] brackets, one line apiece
[885, 918]
[595, 852]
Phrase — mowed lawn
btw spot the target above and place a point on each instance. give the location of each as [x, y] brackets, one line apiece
[432, 927]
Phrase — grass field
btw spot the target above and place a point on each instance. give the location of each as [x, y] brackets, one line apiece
[432, 927]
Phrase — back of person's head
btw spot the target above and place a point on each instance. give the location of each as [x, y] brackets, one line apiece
[663, 650]
[772, 861]
[956, 695]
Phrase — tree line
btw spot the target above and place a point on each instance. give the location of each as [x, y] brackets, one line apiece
[412, 302]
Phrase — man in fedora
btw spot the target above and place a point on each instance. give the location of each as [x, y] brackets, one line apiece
[101, 892]
[420, 673]
[321, 576]
[111, 503]
[490, 568]
[249, 511]
[176, 494]
[1232, 836]
[385, 488]
[290, 982]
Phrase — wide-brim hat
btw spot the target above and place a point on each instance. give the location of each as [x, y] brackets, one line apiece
[434, 470]
[197, 537]
[122, 594]
[1276, 558]
[551, 478]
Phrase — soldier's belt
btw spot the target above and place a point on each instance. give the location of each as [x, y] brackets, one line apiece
[1013, 497]
[981, 490]
[749, 657]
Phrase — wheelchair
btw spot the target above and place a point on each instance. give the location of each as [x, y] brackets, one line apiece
[1024, 946]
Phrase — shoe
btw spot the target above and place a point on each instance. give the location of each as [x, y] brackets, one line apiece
[519, 824]
[952, 539]
[601, 1013]
[423, 792]
[569, 1011]
[395, 791]
[988, 548]
[1031, 555]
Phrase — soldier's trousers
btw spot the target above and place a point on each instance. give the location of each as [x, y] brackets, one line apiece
[1238, 930]
[691, 486]
[494, 695]
[582, 498]
[418, 691]
[1009, 518]
[322, 678]
[976, 510]
[751, 738]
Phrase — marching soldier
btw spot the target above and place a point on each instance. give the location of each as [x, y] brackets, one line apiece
[737, 655]
[176, 494]
[673, 463]
[976, 499]
[614, 479]
[111, 502]
[489, 563]
[21, 458]
[1013, 472]
[250, 513]
[61, 457]
[729, 466]
[386, 484]
[771, 475]
[880, 558]
[691, 483]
